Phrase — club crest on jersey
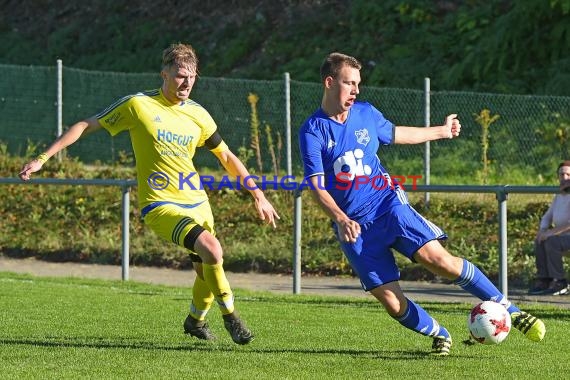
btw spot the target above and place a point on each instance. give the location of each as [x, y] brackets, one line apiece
[362, 136]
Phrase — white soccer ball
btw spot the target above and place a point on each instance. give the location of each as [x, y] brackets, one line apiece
[489, 322]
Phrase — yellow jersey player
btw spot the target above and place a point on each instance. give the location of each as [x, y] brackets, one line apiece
[166, 127]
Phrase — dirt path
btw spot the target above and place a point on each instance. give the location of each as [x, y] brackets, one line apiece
[283, 284]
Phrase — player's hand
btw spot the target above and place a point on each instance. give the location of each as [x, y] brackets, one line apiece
[452, 126]
[349, 230]
[29, 168]
[266, 211]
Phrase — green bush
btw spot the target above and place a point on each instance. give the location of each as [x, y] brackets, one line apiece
[503, 46]
[82, 223]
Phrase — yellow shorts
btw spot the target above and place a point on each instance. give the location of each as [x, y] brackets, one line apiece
[173, 222]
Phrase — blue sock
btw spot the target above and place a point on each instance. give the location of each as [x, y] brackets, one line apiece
[417, 319]
[475, 282]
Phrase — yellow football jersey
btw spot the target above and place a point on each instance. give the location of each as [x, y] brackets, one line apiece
[164, 139]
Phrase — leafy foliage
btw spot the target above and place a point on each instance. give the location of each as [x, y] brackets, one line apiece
[484, 119]
[75, 223]
[254, 130]
[518, 46]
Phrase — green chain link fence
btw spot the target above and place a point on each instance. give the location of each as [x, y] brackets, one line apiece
[526, 141]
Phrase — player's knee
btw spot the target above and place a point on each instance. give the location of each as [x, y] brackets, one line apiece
[206, 246]
[432, 258]
[211, 251]
[440, 262]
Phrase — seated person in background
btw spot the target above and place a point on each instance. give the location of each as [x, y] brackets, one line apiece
[553, 240]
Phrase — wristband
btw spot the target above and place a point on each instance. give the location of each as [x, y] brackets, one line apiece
[42, 158]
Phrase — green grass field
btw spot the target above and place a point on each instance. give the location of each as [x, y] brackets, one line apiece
[73, 328]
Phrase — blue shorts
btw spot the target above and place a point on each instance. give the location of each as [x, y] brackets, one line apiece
[402, 228]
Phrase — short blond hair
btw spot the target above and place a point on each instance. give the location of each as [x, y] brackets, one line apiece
[181, 55]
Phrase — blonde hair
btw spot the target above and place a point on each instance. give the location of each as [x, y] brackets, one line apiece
[334, 62]
[180, 55]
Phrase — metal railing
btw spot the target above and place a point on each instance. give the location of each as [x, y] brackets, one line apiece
[124, 184]
[501, 192]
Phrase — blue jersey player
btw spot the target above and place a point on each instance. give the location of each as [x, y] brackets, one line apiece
[371, 214]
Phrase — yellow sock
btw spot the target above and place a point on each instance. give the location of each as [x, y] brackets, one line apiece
[215, 277]
[202, 299]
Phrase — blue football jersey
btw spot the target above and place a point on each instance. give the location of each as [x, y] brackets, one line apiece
[346, 155]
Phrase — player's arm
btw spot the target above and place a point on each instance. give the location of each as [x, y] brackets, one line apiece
[70, 136]
[236, 168]
[417, 135]
[348, 228]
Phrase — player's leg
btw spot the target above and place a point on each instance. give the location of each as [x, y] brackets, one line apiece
[434, 257]
[373, 261]
[462, 272]
[208, 247]
[192, 228]
[418, 239]
[173, 223]
[412, 316]
[202, 296]
[210, 251]
[202, 299]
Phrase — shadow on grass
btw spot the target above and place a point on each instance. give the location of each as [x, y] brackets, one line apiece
[209, 347]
